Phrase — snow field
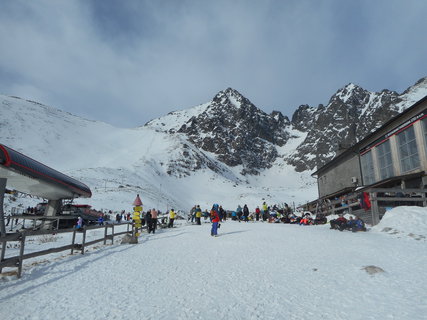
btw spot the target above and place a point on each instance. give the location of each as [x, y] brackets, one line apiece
[251, 271]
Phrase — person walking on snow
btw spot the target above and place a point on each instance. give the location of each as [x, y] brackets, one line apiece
[257, 213]
[264, 211]
[239, 212]
[198, 213]
[192, 213]
[79, 223]
[153, 221]
[215, 221]
[246, 213]
[171, 218]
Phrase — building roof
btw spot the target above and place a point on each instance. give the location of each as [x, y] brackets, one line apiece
[29, 176]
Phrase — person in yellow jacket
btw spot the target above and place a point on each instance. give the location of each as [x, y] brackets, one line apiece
[198, 215]
[265, 211]
[172, 215]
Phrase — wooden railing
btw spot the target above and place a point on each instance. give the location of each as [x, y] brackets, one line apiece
[380, 198]
[17, 261]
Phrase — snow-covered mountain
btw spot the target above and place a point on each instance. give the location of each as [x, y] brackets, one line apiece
[351, 114]
[227, 150]
[156, 161]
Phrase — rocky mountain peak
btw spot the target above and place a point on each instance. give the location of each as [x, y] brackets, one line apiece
[350, 115]
[231, 100]
[238, 132]
[241, 135]
[351, 94]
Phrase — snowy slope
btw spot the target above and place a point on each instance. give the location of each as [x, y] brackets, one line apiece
[226, 150]
[165, 169]
[251, 271]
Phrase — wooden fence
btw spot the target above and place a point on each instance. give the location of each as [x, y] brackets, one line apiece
[17, 261]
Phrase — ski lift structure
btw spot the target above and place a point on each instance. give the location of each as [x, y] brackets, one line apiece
[21, 173]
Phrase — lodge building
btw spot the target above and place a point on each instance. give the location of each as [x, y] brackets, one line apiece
[390, 164]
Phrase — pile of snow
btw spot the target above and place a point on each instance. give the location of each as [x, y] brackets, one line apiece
[404, 220]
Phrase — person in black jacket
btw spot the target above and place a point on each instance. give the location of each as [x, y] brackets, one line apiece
[149, 221]
[246, 213]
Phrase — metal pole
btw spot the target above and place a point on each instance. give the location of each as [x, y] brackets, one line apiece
[2, 191]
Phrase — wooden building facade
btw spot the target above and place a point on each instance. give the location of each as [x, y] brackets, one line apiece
[392, 158]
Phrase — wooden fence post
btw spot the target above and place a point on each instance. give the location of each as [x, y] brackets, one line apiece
[21, 254]
[112, 234]
[73, 241]
[84, 240]
[105, 235]
[423, 194]
[3, 252]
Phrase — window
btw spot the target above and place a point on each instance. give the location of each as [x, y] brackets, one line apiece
[368, 172]
[408, 152]
[385, 160]
[424, 124]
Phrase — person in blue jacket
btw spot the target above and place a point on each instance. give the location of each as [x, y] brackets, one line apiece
[358, 225]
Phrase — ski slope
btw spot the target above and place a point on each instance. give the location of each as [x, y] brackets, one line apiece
[251, 271]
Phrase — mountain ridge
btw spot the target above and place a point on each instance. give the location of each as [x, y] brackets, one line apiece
[227, 142]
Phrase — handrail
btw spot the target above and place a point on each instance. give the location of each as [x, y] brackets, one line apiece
[17, 261]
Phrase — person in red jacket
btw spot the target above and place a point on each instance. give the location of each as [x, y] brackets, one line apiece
[340, 223]
[215, 221]
[257, 213]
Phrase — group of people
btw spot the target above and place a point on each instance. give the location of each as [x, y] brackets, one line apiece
[123, 216]
[275, 215]
[265, 214]
[352, 224]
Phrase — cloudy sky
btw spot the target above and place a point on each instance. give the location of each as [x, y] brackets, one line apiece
[126, 62]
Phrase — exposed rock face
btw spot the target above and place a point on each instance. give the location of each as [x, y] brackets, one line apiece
[350, 115]
[238, 132]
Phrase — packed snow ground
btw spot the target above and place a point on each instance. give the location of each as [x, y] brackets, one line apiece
[251, 271]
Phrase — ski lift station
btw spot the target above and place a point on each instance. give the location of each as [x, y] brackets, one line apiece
[21, 173]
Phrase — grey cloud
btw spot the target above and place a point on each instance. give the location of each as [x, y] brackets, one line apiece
[126, 62]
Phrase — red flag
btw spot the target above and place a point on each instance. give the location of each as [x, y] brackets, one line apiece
[366, 201]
